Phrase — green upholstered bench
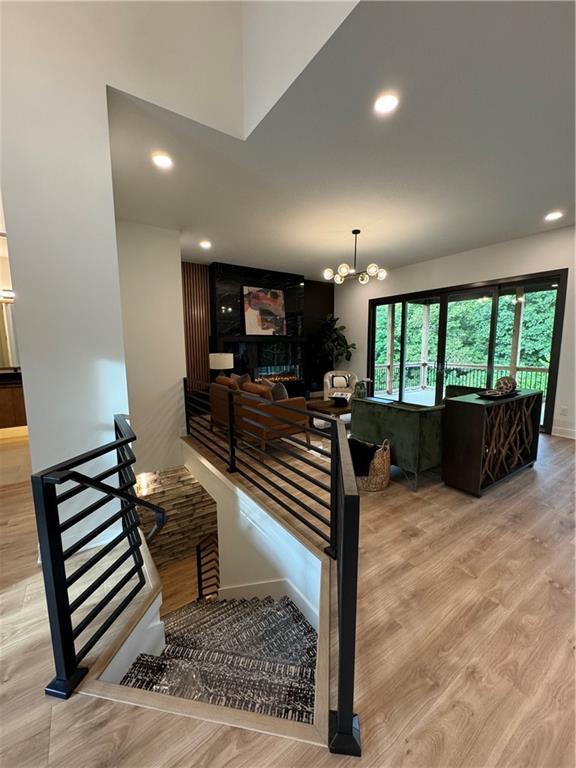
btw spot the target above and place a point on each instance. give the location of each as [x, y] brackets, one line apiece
[414, 431]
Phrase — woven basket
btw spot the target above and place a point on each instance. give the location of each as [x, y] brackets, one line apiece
[378, 477]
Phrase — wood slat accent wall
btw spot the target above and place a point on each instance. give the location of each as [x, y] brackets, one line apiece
[196, 296]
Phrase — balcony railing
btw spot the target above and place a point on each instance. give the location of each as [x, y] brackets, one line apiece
[423, 376]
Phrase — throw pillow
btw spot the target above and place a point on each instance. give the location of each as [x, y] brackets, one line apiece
[226, 382]
[258, 389]
[241, 379]
[278, 390]
[340, 382]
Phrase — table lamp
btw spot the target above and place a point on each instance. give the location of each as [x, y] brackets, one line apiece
[221, 361]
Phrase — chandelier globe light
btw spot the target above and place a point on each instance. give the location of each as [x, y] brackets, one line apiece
[344, 271]
[372, 270]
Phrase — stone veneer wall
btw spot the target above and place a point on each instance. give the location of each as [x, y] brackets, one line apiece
[190, 512]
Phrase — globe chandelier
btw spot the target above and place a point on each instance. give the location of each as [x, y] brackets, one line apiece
[346, 272]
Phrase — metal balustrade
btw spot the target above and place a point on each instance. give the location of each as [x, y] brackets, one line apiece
[67, 621]
[423, 376]
[269, 444]
[207, 567]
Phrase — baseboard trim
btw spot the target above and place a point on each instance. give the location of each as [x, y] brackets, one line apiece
[275, 588]
[564, 432]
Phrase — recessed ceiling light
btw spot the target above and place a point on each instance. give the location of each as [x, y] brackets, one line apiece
[553, 216]
[386, 103]
[162, 160]
[206, 244]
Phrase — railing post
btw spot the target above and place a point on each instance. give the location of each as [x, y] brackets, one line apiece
[344, 736]
[186, 413]
[68, 674]
[231, 433]
[334, 475]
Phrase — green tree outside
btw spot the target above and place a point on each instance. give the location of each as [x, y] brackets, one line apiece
[468, 330]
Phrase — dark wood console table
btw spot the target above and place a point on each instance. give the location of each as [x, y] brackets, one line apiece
[485, 441]
[12, 411]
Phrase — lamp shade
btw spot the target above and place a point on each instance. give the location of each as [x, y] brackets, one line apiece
[221, 361]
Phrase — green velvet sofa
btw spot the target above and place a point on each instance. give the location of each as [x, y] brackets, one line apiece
[414, 432]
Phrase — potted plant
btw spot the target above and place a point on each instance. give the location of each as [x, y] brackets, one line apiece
[332, 341]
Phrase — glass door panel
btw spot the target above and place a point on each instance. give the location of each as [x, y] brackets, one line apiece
[507, 301]
[524, 335]
[387, 336]
[421, 351]
[467, 339]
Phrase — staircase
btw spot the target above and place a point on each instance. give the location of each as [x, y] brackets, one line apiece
[255, 654]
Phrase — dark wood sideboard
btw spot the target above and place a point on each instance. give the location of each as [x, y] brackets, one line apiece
[485, 441]
[12, 411]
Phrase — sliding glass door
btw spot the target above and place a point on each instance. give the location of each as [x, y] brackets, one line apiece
[420, 363]
[468, 323]
[525, 334]
[387, 347]
[420, 344]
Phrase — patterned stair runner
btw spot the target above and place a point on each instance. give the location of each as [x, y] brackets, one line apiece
[257, 655]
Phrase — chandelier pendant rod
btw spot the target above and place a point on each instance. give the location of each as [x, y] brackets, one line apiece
[355, 232]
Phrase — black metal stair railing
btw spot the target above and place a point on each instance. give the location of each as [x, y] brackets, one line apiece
[124, 546]
[207, 567]
[255, 439]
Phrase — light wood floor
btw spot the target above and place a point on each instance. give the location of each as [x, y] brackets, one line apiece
[465, 642]
[179, 585]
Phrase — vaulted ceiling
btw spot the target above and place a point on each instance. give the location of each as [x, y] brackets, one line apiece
[479, 150]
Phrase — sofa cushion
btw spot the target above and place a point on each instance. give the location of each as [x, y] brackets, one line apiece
[340, 381]
[226, 381]
[258, 389]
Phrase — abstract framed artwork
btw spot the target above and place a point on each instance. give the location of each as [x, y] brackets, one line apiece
[264, 311]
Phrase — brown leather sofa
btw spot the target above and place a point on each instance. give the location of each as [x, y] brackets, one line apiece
[270, 421]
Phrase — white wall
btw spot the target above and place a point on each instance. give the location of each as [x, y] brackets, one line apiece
[5, 277]
[56, 182]
[148, 636]
[57, 59]
[288, 35]
[258, 555]
[538, 253]
[152, 315]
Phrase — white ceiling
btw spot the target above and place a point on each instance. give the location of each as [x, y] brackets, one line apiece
[480, 149]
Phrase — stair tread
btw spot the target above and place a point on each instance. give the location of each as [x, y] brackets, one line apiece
[199, 612]
[231, 680]
[276, 631]
[221, 624]
[213, 615]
